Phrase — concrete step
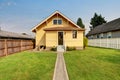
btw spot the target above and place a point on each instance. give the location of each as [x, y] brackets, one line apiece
[60, 48]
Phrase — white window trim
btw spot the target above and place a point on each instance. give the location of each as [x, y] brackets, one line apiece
[109, 35]
[91, 36]
[97, 36]
[76, 34]
[61, 21]
[53, 21]
[57, 21]
[101, 35]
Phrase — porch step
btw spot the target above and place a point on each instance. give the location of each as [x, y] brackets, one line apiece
[60, 48]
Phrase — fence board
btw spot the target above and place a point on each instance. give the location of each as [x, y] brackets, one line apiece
[13, 46]
[107, 43]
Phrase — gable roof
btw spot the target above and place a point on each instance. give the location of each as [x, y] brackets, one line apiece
[106, 27]
[7, 34]
[56, 12]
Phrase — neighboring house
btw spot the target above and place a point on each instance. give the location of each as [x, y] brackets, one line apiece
[57, 30]
[106, 35]
[12, 35]
[106, 30]
[11, 42]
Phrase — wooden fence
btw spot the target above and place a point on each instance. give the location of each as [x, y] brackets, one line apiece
[12, 46]
[107, 43]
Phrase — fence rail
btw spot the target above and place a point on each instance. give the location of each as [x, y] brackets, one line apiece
[107, 43]
[13, 46]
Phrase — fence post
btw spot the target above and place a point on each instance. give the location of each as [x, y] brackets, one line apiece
[6, 47]
[12, 41]
[117, 43]
[107, 42]
[100, 42]
[20, 45]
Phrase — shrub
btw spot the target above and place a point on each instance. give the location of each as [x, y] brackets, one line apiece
[70, 48]
[85, 42]
[53, 48]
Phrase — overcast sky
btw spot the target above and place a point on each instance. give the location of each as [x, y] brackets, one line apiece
[22, 15]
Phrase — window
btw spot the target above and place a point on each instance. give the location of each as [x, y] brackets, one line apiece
[57, 21]
[74, 34]
[101, 35]
[91, 37]
[109, 35]
[98, 36]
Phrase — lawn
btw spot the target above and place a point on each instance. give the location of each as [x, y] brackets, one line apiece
[93, 64]
[28, 66]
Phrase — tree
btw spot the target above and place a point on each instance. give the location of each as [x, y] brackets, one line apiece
[97, 20]
[80, 23]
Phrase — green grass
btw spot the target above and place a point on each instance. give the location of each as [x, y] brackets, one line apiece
[93, 64]
[28, 66]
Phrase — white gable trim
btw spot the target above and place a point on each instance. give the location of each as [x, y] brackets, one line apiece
[53, 15]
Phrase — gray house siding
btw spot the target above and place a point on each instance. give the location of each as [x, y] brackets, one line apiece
[116, 34]
[104, 35]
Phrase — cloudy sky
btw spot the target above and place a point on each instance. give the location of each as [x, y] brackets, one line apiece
[22, 15]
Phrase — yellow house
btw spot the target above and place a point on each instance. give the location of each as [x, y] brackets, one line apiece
[58, 31]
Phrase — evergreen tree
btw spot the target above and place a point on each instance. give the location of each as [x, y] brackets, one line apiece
[97, 20]
[80, 23]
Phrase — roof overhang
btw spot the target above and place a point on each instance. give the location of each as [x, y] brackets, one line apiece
[62, 29]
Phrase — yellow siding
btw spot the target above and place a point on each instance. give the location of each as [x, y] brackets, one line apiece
[40, 36]
[69, 41]
[65, 23]
[51, 38]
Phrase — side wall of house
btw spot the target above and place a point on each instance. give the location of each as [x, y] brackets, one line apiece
[40, 35]
[51, 39]
[74, 42]
[116, 34]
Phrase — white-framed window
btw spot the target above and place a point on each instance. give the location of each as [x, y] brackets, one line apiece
[97, 35]
[91, 36]
[74, 34]
[109, 35]
[57, 21]
[101, 35]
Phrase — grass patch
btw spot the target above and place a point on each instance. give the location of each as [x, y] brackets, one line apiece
[28, 66]
[93, 64]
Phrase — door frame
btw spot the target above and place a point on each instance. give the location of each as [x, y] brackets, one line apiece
[58, 36]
